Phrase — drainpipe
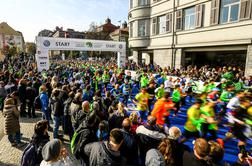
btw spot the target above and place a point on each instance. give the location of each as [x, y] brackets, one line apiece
[173, 34]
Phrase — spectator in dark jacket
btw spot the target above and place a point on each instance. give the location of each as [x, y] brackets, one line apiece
[178, 148]
[87, 131]
[57, 111]
[36, 85]
[199, 155]
[115, 121]
[106, 153]
[129, 146]
[3, 94]
[146, 134]
[75, 107]
[31, 94]
[81, 115]
[216, 153]
[67, 123]
[33, 157]
[22, 97]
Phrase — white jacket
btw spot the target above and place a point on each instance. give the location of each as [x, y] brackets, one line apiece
[66, 162]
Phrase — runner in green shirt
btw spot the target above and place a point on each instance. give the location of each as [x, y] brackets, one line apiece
[210, 126]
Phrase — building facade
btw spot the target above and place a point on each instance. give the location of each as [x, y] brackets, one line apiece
[178, 33]
[10, 37]
[122, 34]
[69, 33]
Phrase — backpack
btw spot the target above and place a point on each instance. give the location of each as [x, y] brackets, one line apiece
[30, 156]
[37, 103]
[81, 137]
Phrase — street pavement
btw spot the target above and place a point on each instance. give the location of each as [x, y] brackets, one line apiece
[11, 156]
[1, 126]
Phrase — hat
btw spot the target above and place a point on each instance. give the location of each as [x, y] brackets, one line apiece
[51, 150]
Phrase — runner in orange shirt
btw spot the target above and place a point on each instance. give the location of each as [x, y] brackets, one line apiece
[161, 110]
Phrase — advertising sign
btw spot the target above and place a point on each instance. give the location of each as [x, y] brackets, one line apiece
[44, 44]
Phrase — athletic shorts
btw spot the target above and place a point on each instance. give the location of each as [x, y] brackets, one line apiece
[189, 134]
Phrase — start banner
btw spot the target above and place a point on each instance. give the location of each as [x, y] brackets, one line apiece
[45, 44]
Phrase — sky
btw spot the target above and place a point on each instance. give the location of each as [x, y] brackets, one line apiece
[32, 16]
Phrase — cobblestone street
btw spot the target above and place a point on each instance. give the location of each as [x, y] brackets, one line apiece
[11, 156]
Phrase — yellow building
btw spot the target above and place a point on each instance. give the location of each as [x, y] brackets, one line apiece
[10, 37]
[178, 33]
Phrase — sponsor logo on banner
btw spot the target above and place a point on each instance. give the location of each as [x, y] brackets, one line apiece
[120, 46]
[110, 45]
[42, 57]
[89, 44]
[64, 44]
[46, 43]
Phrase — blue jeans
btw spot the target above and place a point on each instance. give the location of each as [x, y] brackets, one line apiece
[125, 100]
[14, 137]
[56, 124]
[143, 115]
[46, 116]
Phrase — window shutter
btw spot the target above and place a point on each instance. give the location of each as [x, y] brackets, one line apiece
[154, 26]
[168, 22]
[179, 20]
[215, 11]
[199, 15]
[245, 9]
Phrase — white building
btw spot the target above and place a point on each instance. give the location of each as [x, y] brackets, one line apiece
[199, 32]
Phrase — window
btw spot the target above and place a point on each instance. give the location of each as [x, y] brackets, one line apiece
[189, 18]
[179, 20]
[215, 11]
[229, 11]
[245, 9]
[131, 29]
[143, 2]
[141, 28]
[161, 25]
[122, 38]
[154, 25]
[168, 22]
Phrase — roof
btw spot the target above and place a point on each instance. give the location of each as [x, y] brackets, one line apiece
[121, 30]
[108, 27]
[7, 30]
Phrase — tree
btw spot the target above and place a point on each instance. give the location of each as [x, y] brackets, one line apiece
[30, 48]
[10, 50]
[13, 51]
[92, 27]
